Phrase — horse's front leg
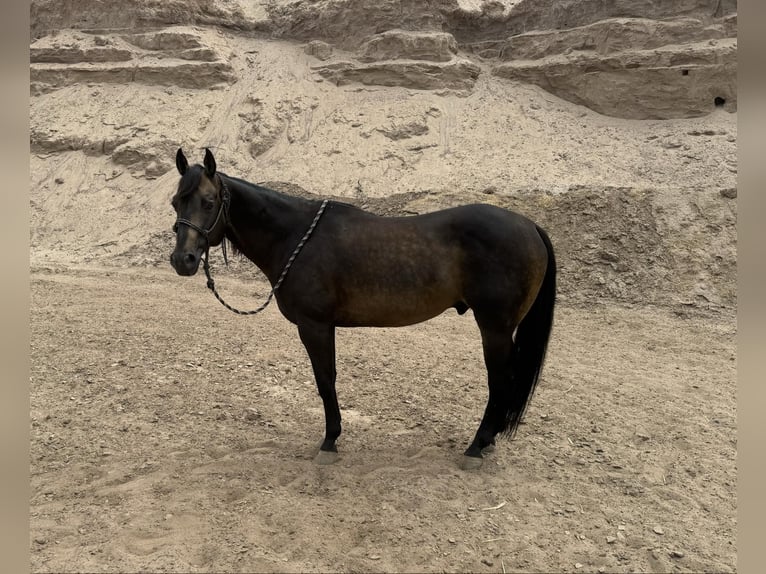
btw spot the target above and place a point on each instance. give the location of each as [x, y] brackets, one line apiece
[319, 341]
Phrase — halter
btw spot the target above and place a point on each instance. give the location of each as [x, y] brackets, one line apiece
[224, 210]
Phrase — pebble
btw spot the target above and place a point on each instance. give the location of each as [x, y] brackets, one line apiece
[251, 414]
[578, 565]
[677, 554]
[658, 530]
[611, 539]
[487, 562]
[41, 541]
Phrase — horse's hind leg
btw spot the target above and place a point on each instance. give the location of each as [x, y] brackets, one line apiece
[319, 341]
[497, 343]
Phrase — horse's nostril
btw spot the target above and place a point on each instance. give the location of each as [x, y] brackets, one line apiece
[190, 258]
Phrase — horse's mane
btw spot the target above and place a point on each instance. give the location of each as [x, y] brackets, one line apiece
[191, 179]
[264, 191]
[267, 191]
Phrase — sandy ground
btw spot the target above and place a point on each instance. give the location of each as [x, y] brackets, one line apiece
[171, 435]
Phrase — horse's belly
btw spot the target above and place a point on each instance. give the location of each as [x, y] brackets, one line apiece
[395, 310]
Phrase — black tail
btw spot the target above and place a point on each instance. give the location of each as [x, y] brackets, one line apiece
[530, 345]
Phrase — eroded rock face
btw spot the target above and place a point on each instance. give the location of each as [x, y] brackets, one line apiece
[397, 44]
[498, 20]
[635, 68]
[170, 57]
[456, 74]
[47, 16]
[626, 58]
[348, 23]
[637, 60]
[417, 60]
[609, 36]
[320, 50]
[185, 75]
[670, 82]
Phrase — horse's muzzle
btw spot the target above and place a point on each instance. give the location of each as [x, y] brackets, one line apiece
[185, 263]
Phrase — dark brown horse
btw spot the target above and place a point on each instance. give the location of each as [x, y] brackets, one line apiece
[358, 269]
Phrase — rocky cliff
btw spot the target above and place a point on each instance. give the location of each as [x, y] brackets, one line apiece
[644, 59]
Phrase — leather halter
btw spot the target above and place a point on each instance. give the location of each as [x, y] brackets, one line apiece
[223, 210]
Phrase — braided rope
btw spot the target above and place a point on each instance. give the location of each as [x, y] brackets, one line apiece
[301, 243]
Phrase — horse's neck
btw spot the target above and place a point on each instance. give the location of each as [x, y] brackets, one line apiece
[265, 225]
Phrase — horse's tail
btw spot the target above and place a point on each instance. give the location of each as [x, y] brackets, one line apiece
[530, 344]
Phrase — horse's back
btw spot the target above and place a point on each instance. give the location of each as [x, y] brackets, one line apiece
[470, 233]
[490, 218]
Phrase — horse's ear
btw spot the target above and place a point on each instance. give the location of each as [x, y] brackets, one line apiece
[181, 162]
[209, 163]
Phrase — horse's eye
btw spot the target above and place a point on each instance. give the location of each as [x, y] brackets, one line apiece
[207, 205]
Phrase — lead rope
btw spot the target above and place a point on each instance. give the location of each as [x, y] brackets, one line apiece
[301, 243]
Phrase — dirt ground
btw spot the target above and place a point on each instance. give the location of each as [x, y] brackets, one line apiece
[171, 435]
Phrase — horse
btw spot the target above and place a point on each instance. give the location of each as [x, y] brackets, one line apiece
[353, 268]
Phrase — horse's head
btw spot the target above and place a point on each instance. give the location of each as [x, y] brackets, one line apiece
[200, 205]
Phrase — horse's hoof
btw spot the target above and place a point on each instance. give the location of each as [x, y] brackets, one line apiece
[325, 457]
[471, 462]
